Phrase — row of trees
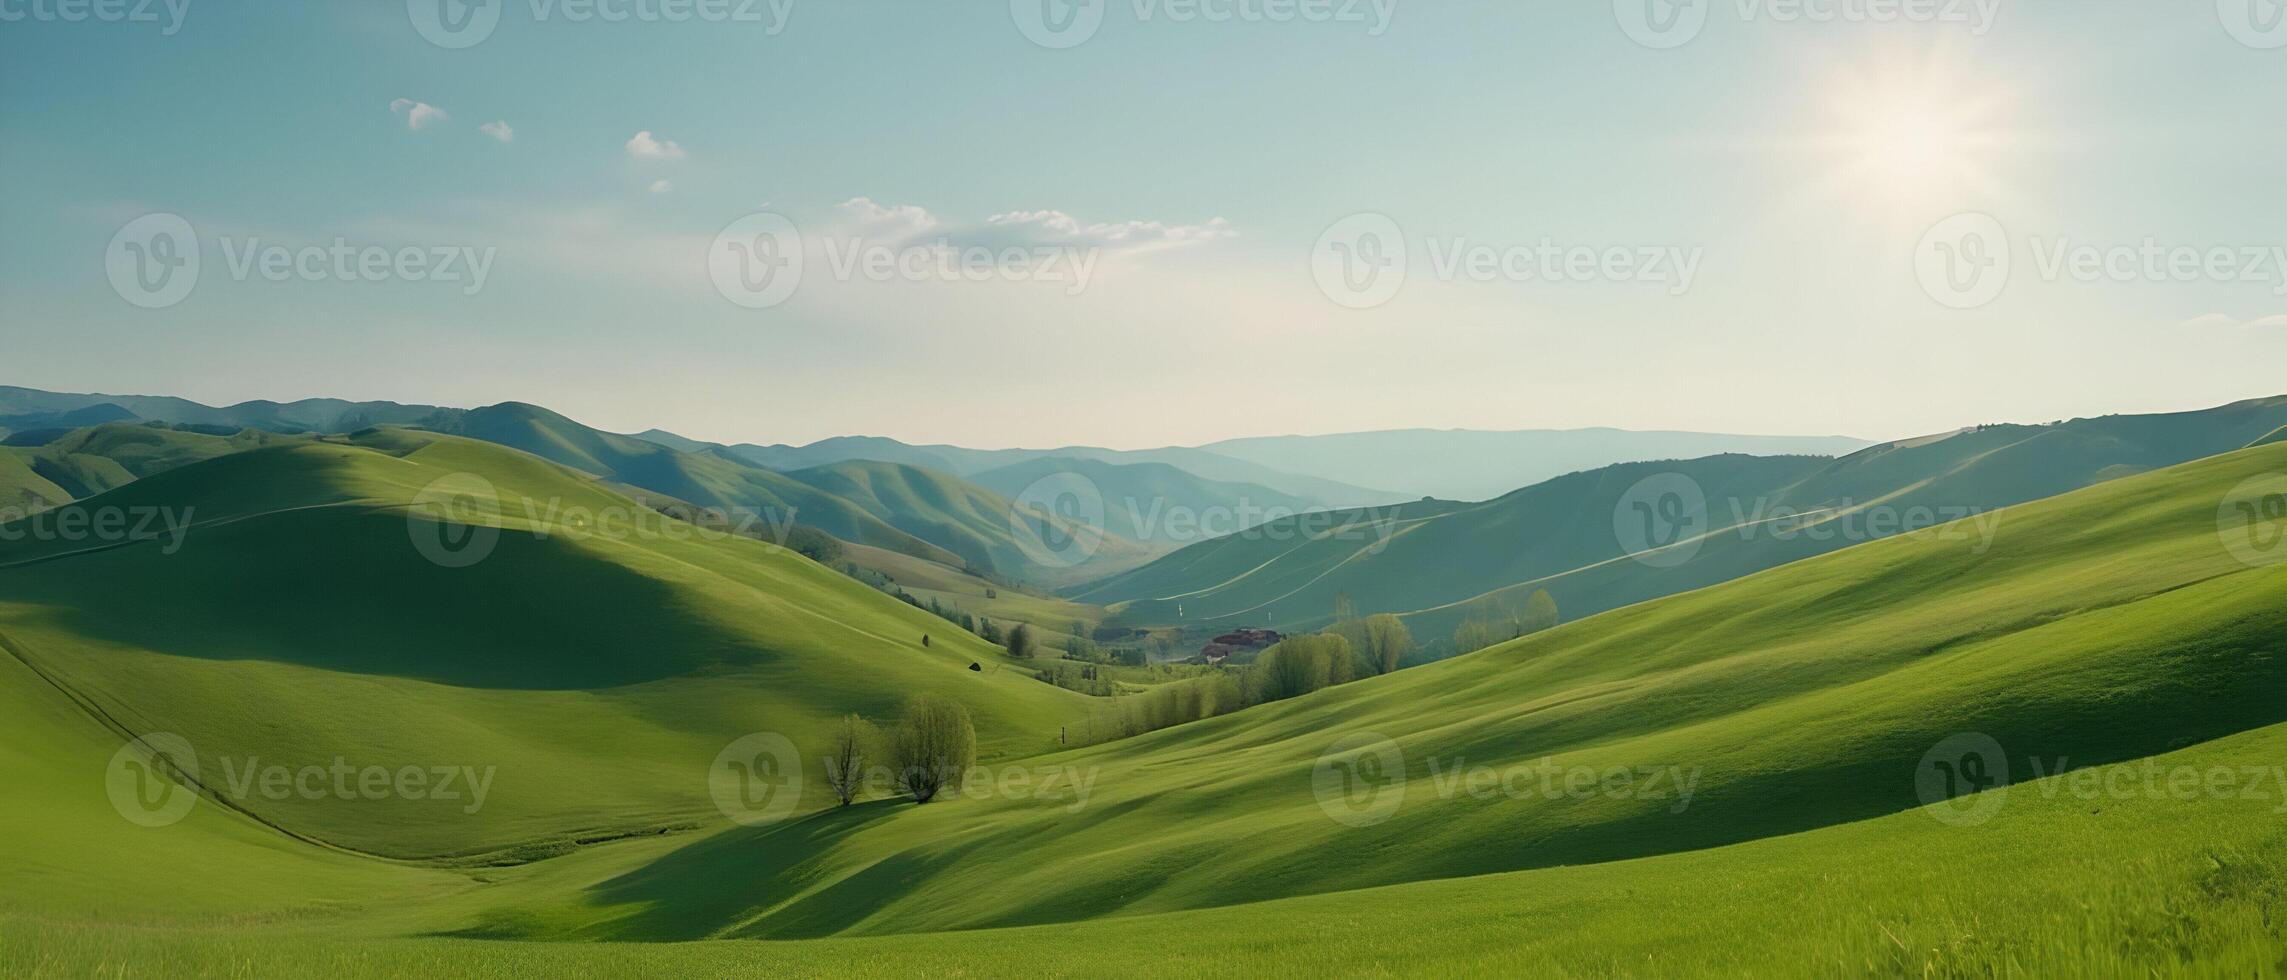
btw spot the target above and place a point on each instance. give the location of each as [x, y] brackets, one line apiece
[929, 752]
[1503, 621]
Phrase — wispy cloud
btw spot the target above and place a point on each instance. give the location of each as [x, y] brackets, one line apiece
[646, 147]
[906, 222]
[499, 130]
[418, 115]
[662, 186]
[1057, 227]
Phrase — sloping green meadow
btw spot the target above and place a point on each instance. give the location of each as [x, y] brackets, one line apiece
[1731, 781]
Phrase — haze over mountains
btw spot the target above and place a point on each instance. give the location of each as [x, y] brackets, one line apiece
[1325, 471]
[1438, 563]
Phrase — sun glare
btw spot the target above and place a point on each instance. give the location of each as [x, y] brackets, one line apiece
[1912, 132]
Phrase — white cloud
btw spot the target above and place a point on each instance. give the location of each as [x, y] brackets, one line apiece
[418, 115]
[1057, 227]
[906, 222]
[498, 130]
[2220, 321]
[895, 222]
[644, 147]
[662, 186]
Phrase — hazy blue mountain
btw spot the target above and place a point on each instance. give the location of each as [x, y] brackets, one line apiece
[1463, 464]
[1153, 501]
[1437, 562]
[327, 415]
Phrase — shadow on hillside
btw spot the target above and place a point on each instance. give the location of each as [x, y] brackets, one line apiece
[719, 881]
[345, 590]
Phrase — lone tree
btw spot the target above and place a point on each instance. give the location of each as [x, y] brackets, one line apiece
[1020, 642]
[846, 760]
[934, 747]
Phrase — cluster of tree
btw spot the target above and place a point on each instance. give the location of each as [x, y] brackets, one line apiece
[1297, 666]
[1504, 621]
[814, 544]
[929, 752]
[1382, 641]
[1094, 680]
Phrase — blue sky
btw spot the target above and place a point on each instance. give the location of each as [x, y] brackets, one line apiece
[1197, 164]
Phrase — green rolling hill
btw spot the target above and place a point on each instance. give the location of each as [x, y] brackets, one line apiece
[899, 508]
[1795, 707]
[596, 669]
[86, 462]
[983, 528]
[1438, 563]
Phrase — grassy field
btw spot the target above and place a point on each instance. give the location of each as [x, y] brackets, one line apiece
[2054, 885]
[2103, 626]
[596, 670]
[1739, 773]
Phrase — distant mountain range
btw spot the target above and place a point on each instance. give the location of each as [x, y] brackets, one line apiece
[1438, 563]
[1334, 470]
[1460, 464]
